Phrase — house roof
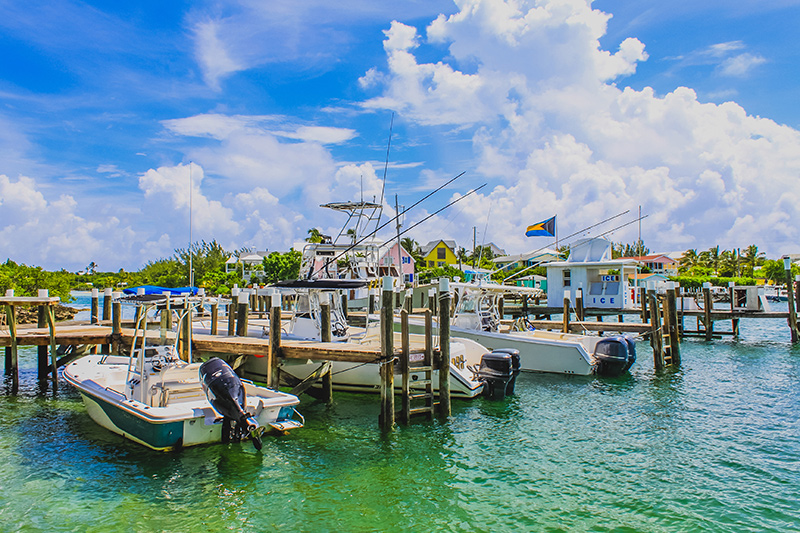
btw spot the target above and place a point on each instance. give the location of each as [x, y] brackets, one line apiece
[544, 254]
[662, 258]
[433, 244]
[643, 277]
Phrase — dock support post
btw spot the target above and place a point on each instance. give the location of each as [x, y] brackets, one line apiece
[107, 292]
[186, 332]
[643, 303]
[444, 348]
[214, 318]
[708, 304]
[116, 327]
[325, 336]
[671, 307]
[787, 265]
[43, 366]
[386, 420]
[579, 305]
[273, 375]
[565, 323]
[94, 317]
[232, 312]
[242, 310]
[12, 360]
[51, 324]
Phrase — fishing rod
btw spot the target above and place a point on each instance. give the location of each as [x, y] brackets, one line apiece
[385, 168]
[565, 238]
[448, 182]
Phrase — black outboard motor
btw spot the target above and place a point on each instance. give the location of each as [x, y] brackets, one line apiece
[614, 355]
[496, 371]
[515, 367]
[225, 392]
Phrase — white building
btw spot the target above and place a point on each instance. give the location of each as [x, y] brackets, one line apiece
[602, 280]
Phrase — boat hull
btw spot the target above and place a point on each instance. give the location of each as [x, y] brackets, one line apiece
[187, 420]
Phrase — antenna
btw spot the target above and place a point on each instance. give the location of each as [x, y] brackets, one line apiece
[385, 168]
[191, 253]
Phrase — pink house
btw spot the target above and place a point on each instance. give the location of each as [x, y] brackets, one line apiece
[388, 265]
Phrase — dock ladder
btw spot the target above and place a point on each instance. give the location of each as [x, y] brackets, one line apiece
[417, 375]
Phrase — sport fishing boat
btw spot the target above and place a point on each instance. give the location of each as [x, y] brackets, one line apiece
[306, 324]
[155, 398]
[477, 317]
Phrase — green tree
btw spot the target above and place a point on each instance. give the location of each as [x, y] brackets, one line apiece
[279, 267]
[688, 261]
[774, 271]
[314, 236]
[752, 259]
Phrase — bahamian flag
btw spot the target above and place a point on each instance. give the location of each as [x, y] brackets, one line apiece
[545, 228]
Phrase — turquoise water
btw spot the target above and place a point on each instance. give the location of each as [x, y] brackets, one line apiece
[713, 446]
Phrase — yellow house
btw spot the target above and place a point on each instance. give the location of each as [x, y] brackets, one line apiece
[439, 253]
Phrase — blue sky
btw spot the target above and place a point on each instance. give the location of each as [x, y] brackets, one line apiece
[108, 111]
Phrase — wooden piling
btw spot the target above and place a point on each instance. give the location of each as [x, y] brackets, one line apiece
[12, 359]
[444, 348]
[43, 367]
[670, 308]
[273, 375]
[708, 305]
[214, 317]
[242, 311]
[790, 297]
[326, 336]
[565, 323]
[643, 304]
[386, 420]
[116, 327]
[579, 305]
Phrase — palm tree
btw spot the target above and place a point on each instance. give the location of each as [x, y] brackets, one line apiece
[689, 260]
[753, 258]
[314, 236]
[710, 258]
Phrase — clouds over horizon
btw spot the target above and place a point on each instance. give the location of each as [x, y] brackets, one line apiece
[558, 136]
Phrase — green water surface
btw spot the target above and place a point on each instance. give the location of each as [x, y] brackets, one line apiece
[713, 446]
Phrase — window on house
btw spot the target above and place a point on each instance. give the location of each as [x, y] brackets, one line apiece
[441, 253]
[567, 278]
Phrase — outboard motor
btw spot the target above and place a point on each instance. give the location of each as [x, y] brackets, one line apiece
[225, 392]
[614, 355]
[515, 367]
[496, 371]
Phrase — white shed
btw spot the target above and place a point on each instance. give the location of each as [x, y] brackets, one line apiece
[590, 268]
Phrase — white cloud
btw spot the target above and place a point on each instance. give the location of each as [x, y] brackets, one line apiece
[553, 136]
[741, 65]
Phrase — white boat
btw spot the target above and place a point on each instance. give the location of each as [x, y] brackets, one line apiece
[305, 324]
[477, 317]
[156, 399]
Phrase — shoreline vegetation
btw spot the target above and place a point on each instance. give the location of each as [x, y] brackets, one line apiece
[746, 266]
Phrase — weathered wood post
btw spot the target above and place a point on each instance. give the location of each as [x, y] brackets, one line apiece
[326, 336]
[344, 306]
[116, 325]
[186, 331]
[525, 305]
[51, 324]
[643, 303]
[708, 305]
[432, 300]
[94, 317]
[242, 310]
[12, 355]
[232, 311]
[579, 304]
[674, 336]
[405, 368]
[43, 367]
[386, 420]
[273, 375]
[565, 322]
[501, 307]
[214, 317]
[107, 292]
[787, 265]
[444, 348]
[732, 296]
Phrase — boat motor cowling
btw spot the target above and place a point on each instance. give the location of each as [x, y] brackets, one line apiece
[516, 367]
[614, 355]
[225, 391]
[496, 371]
